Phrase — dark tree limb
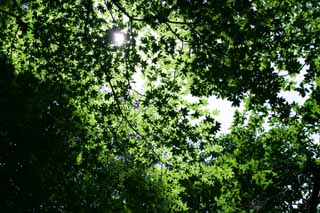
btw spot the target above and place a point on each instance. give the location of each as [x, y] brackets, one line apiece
[314, 199]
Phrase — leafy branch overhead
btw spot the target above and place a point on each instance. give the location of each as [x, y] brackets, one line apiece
[94, 122]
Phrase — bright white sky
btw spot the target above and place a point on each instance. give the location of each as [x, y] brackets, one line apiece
[226, 111]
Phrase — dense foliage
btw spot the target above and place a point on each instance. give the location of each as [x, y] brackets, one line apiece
[77, 135]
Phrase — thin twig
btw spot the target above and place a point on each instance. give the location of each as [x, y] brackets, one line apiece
[127, 120]
[113, 19]
[174, 32]
[139, 93]
[152, 18]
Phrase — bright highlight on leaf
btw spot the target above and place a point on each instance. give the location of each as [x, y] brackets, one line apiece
[118, 38]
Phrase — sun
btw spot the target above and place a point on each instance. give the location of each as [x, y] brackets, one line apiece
[118, 38]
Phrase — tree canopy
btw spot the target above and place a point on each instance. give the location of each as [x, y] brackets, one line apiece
[77, 135]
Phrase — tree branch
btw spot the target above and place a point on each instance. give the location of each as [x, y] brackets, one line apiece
[314, 199]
